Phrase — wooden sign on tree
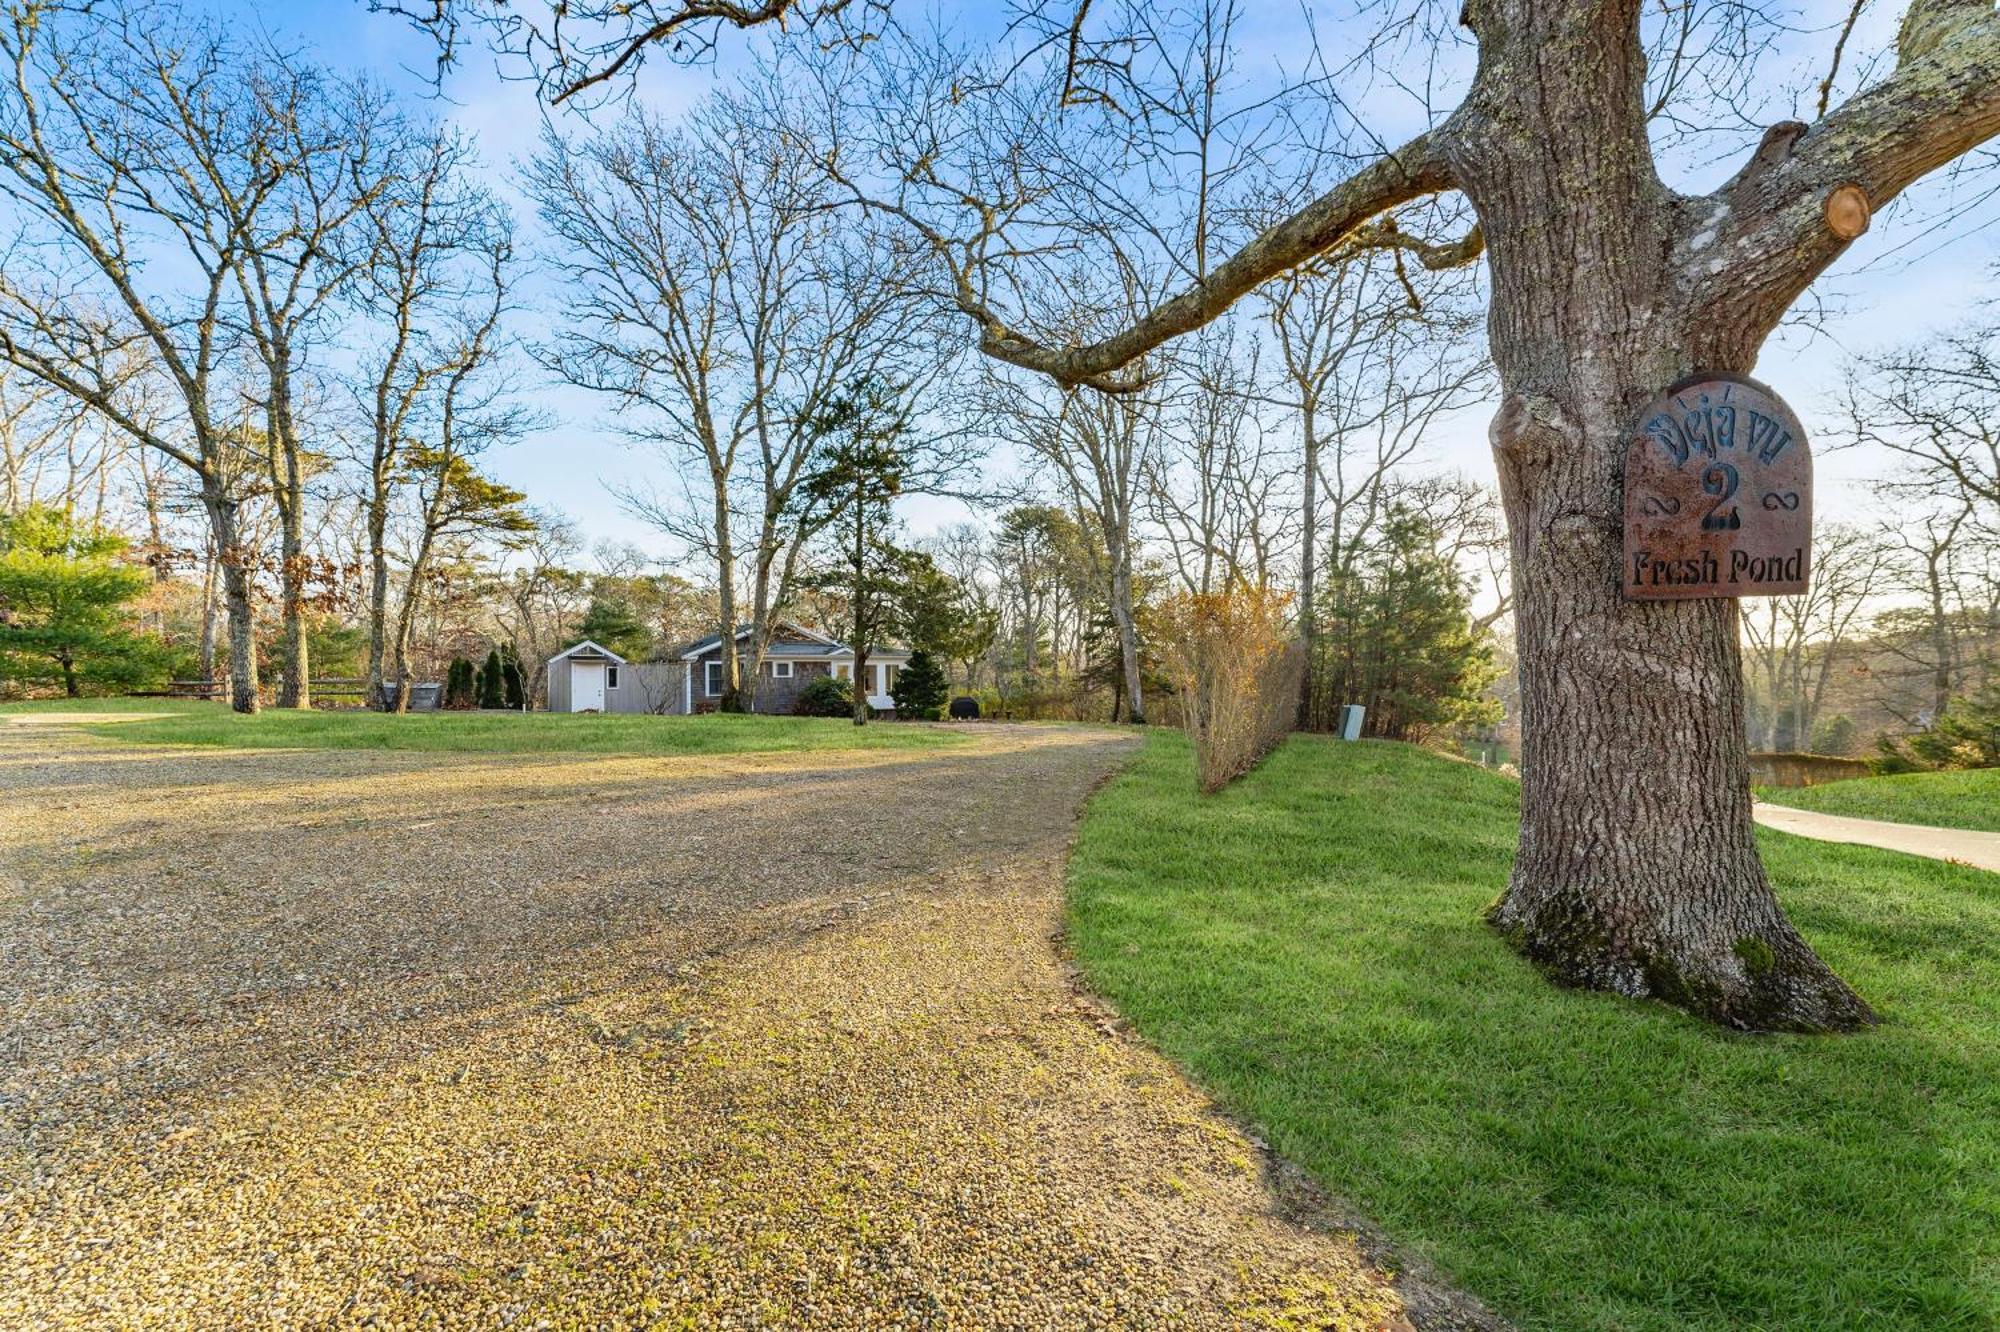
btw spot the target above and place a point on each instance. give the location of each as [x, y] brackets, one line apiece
[1718, 494]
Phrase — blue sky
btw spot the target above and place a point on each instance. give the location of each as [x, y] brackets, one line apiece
[1894, 284]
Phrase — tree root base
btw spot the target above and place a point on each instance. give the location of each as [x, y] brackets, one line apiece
[1765, 983]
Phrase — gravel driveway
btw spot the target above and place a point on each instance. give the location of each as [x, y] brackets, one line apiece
[356, 1039]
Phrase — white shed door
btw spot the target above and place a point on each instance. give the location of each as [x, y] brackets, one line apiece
[586, 686]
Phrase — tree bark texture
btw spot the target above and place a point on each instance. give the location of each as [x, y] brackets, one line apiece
[234, 564]
[208, 599]
[378, 589]
[295, 678]
[725, 576]
[288, 488]
[1128, 633]
[1308, 556]
[1638, 869]
[406, 621]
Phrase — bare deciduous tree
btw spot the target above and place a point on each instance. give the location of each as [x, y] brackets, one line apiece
[1938, 643]
[129, 135]
[576, 46]
[432, 282]
[322, 150]
[453, 499]
[1096, 448]
[721, 305]
[1935, 408]
[1369, 359]
[1796, 643]
[1621, 700]
[541, 595]
[1218, 487]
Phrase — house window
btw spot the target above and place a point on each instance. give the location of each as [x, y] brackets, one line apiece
[889, 674]
[781, 670]
[610, 677]
[713, 679]
[843, 670]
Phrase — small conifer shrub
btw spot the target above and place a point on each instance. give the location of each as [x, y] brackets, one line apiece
[920, 688]
[492, 691]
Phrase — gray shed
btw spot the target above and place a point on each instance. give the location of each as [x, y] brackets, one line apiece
[590, 677]
[582, 678]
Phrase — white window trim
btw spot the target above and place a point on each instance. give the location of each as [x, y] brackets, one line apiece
[781, 670]
[611, 676]
[711, 679]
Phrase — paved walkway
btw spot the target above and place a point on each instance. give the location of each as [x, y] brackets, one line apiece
[1980, 849]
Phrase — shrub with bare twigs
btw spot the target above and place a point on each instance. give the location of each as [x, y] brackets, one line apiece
[1236, 666]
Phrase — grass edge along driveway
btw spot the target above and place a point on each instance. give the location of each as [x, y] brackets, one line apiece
[1308, 944]
[1967, 798]
[180, 722]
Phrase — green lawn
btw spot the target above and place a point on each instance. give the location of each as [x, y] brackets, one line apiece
[196, 723]
[1969, 799]
[1308, 943]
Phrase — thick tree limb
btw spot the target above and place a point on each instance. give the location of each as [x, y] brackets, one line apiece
[1764, 237]
[1337, 217]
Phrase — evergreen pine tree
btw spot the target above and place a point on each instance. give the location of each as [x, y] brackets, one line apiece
[513, 683]
[63, 591]
[612, 622]
[461, 684]
[492, 692]
[1396, 635]
[920, 688]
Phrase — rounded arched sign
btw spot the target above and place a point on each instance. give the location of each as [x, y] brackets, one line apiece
[1718, 494]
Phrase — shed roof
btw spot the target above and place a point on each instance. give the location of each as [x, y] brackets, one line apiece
[587, 651]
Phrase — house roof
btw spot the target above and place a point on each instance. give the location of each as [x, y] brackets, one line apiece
[817, 646]
[875, 653]
[795, 649]
[587, 651]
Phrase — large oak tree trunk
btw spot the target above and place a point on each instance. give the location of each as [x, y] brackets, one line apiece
[1638, 869]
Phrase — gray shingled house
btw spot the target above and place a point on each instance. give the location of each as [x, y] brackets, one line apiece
[591, 678]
